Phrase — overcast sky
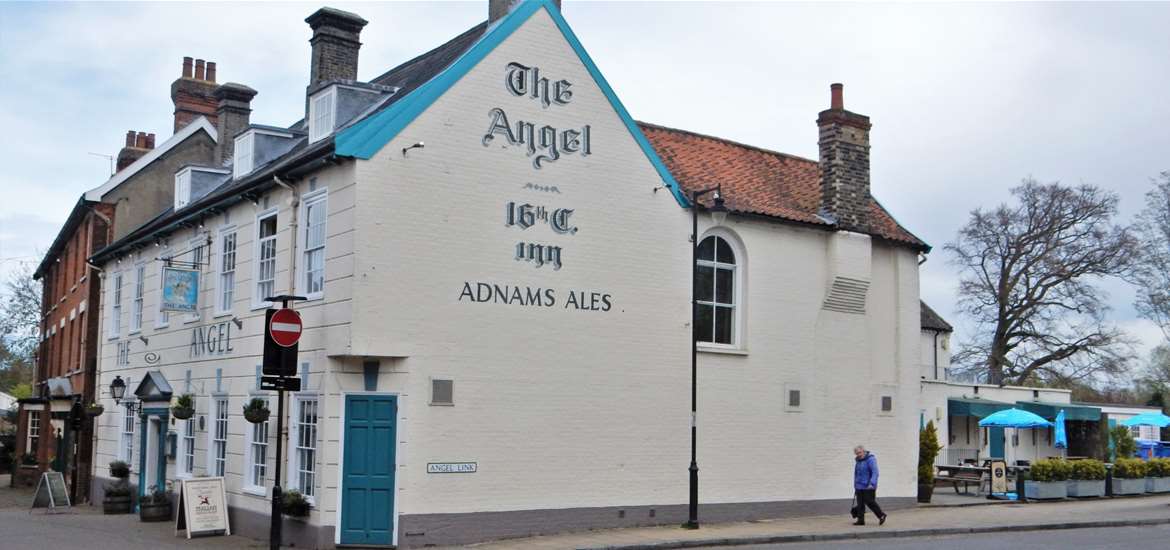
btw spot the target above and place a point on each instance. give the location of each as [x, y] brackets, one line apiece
[966, 99]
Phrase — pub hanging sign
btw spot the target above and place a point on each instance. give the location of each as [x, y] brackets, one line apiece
[180, 289]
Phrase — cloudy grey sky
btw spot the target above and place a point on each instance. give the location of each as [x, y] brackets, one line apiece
[966, 99]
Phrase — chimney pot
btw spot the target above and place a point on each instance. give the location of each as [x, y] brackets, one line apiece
[187, 67]
[140, 140]
[199, 75]
[211, 71]
[150, 141]
[838, 99]
[130, 138]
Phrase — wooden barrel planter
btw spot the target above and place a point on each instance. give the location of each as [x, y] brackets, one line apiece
[116, 504]
[150, 511]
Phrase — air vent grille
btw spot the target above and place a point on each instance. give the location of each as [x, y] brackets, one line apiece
[847, 296]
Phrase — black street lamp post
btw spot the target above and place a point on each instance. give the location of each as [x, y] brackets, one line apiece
[719, 214]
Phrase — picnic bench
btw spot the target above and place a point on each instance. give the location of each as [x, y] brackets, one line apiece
[962, 475]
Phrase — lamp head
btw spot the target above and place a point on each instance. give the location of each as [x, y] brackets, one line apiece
[718, 210]
[118, 389]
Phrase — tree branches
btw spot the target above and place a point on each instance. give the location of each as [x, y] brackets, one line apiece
[1028, 274]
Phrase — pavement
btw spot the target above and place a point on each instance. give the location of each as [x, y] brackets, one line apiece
[1116, 538]
[86, 527]
[967, 515]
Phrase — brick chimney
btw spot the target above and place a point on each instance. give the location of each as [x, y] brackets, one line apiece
[233, 108]
[497, 9]
[137, 144]
[193, 92]
[335, 45]
[844, 150]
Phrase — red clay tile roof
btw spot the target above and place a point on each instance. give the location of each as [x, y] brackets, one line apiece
[758, 181]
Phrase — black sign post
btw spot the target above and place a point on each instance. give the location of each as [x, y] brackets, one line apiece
[280, 368]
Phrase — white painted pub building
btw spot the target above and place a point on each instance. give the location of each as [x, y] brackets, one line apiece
[497, 261]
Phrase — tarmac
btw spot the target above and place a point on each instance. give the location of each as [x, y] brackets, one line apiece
[85, 526]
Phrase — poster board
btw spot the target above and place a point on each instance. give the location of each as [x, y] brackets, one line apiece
[51, 492]
[999, 480]
[202, 507]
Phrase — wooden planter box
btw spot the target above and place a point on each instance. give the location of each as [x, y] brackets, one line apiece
[26, 475]
[154, 512]
[1081, 488]
[116, 505]
[1046, 490]
[1158, 484]
[1129, 486]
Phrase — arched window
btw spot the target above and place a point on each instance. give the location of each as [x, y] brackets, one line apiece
[715, 292]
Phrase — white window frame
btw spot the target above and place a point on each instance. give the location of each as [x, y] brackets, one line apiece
[162, 318]
[185, 458]
[318, 197]
[252, 485]
[115, 328]
[296, 446]
[139, 298]
[182, 188]
[225, 286]
[199, 251]
[126, 438]
[738, 269]
[244, 155]
[33, 432]
[322, 113]
[218, 416]
[257, 259]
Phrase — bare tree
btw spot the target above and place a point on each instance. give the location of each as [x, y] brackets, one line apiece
[20, 314]
[1027, 280]
[1152, 271]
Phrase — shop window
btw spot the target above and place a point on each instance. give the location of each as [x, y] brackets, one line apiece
[442, 392]
[715, 292]
[227, 271]
[257, 461]
[313, 238]
[304, 457]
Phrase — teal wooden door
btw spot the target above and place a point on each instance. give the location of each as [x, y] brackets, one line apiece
[996, 443]
[367, 502]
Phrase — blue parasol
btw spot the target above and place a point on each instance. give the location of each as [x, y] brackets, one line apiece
[1014, 418]
[1148, 419]
[1061, 437]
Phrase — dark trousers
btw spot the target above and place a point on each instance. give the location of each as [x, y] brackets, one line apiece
[867, 497]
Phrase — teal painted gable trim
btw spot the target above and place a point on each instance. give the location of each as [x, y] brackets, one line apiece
[367, 137]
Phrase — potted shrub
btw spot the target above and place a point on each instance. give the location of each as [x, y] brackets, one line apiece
[119, 470]
[116, 499]
[184, 407]
[928, 448]
[1087, 479]
[1129, 476]
[256, 411]
[1123, 444]
[1047, 479]
[28, 460]
[1158, 475]
[94, 410]
[155, 506]
[294, 504]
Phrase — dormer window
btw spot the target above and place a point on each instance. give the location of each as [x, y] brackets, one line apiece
[322, 107]
[245, 153]
[182, 188]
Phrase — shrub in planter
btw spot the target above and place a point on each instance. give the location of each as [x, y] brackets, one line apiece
[1158, 475]
[155, 506]
[1129, 476]
[294, 504]
[184, 407]
[116, 499]
[119, 470]
[1047, 479]
[928, 449]
[28, 459]
[93, 410]
[256, 411]
[1123, 444]
[1087, 479]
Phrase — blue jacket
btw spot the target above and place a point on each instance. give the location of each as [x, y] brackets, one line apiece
[865, 472]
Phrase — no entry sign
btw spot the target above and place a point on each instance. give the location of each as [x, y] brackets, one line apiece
[285, 327]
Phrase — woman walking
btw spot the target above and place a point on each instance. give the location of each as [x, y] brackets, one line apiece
[865, 480]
